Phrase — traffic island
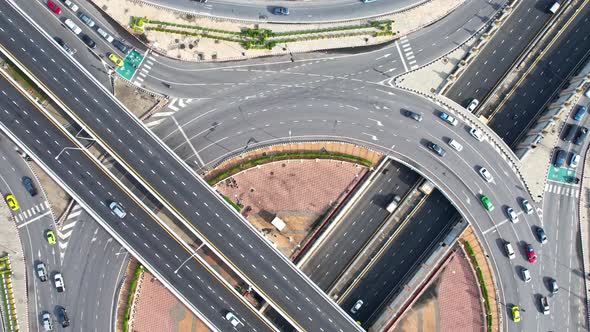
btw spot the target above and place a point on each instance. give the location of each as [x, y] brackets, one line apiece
[190, 37]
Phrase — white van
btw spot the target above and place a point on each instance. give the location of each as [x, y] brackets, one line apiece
[526, 275]
[455, 145]
[509, 250]
[105, 35]
[72, 26]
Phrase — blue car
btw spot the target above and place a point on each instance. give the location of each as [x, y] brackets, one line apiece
[280, 11]
[580, 113]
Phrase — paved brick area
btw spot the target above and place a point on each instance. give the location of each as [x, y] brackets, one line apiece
[458, 297]
[158, 310]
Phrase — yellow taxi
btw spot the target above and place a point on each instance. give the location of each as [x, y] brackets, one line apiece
[515, 314]
[12, 203]
[116, 60]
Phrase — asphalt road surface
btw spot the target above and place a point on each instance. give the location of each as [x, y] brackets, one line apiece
[358, 225]
[93, 187]
[522, 109]
[501, 51]
[270, 274]
[302, 11]
[408, 250]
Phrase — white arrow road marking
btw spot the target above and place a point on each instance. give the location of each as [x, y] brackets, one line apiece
[379, 123]
[373, 137]
[384, 56]
[387, 92]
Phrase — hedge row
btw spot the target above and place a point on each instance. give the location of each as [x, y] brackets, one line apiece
[130, 297]
[284, 156]
[482, 284]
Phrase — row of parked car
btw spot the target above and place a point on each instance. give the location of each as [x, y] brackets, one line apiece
[575, 134]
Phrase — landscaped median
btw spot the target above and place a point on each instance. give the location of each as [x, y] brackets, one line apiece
[8, 305]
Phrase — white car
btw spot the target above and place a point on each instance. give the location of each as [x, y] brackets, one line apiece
[72, 26]
[486, 175]
[117, 209]
[575, 160]
[41, 272]
[526, 206]
[512, 215]
[357, 306]
[509, 250]
[59, 282]
[72, 5]
[233, 320]
[472, 105]
[455, 145]
[477, 134]
[47, 325]
[587, 94]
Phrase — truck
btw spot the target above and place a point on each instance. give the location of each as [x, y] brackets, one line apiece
[545, 305]
[393, 205]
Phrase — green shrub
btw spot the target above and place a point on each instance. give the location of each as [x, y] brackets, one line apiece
[235, 205]
[138, 272]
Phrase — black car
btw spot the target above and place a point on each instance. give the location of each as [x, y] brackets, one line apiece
[437, 149]
[553, 286]
[582, 133]
[122, 47]
[88, 41]
[413, 115]
[559, 158]
[63, 316]
[29, 185]
[65, 46]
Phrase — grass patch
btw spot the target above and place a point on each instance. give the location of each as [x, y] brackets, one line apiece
[290, 155]
[138, 272]
[482, 284]
[235, 205]
[24, 81]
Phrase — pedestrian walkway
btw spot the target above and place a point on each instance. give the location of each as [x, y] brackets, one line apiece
[32, 214]
[13, 286]
[562, 189]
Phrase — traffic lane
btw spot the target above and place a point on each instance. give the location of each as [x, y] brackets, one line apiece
[514, 35]
[544, 81]
[398, 260]
[143, 145]
[192, 280]
[95, 263]
[55, 27]
[358, 225]
[331, 11]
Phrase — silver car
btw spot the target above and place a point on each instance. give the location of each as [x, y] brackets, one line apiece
[486, 175]
[472, 105]
[117, 210]
[42, 272]
[357, 306]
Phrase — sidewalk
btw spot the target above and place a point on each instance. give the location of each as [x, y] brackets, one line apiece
[584, 219]
[15, 281]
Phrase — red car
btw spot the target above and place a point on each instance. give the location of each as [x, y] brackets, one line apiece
[530, 252]
[53, 7]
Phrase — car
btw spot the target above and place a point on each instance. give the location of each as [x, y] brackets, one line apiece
[54, 8]
[357, 306]
[553, 286]
[63, 316]
[545, 305]
[574, 160]
[559, 158]
[526, 206]
[511, 214]
[587, 93]
[477, 134]
[29, 185]
[487, 203]
[41, 272]
[530, 253]
[472, 105]
[541, 235]
[455, 145]
[72, 26]
[485, 174]
[280, 11]
[89, 22]
[116, 60]
[437, 149]
[526, 274]
[50, 236]
[70, 5]
[63, 45]
[88, 41]
[105, 35]
[580, 113]
[448, 118]
[121, 46]
[509, 250]
[59, 282]
[47, 324]
[233, 320]
[582, 133]
[413, 115]
[515, 314]
[117, 209]
[368, 1]
[569, 132]
[12, 203]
